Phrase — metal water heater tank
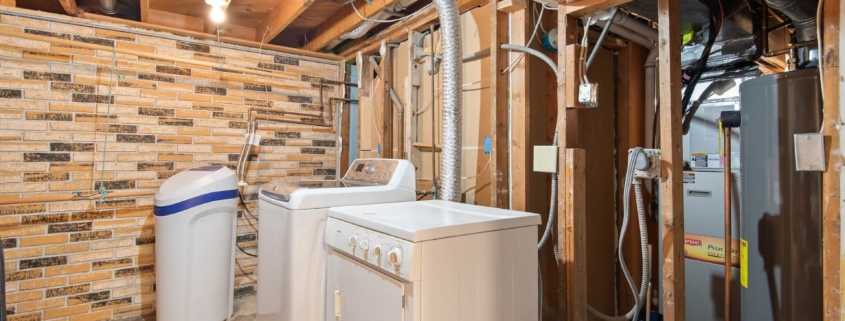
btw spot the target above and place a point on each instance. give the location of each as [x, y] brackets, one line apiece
[195, 222]
[781, 224]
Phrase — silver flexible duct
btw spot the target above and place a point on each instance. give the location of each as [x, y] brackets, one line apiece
[108, 6]
[450, 156]
[802, 13]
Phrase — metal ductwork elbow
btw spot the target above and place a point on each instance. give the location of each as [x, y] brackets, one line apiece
[108, 6]
[450, 156]
[802, 13]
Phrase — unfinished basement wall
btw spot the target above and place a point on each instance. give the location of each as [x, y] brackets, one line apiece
[89, 260]
[477, 102]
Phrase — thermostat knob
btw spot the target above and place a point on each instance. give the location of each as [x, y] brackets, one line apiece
[394, 257]
[353, 240]
[377, 250]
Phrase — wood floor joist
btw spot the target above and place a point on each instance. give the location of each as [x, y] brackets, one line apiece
[343, 21]
[586, 7]
[70, 7]
[277, 20]
[399, 31]
[8, 3]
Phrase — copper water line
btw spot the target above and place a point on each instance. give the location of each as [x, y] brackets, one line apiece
[728, 254]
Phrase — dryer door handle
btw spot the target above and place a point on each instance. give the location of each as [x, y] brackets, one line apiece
[338, 304]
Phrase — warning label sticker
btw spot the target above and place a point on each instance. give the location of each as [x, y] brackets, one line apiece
[743, 262]
[709, 249]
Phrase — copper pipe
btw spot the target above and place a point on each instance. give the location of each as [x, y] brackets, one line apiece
[93, 196]
[728, 254]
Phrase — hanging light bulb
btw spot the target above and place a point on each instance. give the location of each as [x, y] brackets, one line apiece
[217, 14]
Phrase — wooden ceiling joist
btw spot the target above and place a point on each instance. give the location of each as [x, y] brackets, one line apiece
[70, 7]
[399, 32]
[278, 19]
[8, 3]
[343, 21]
[145, 10]
[587, 7]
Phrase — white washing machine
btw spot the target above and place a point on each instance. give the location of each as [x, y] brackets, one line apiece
[292, 220]
[431, 261]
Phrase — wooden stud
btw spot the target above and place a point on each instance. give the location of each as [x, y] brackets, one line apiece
[568, 283]
[575, 239]
[671, 180]
[587, 7]
[499, 87]
[345, 121]
[277, 20]
[573, 78]
[520, 143]
[832, 202]
[387, 105]
[8, 3]
[70, 7]
[343, 21]
[145, 11]
[512, 6]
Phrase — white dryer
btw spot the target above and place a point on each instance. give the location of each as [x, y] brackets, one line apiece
[292, 219]
[431, 261]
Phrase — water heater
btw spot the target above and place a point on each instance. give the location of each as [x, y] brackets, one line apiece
[781, 214]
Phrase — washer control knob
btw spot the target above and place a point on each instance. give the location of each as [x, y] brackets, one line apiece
[353, 241]
[377, 250]
[365, 245]
[394, 257]
[371, 169]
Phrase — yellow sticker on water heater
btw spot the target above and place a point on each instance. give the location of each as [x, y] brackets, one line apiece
[743, 262]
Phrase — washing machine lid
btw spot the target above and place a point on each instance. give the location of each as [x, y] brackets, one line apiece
[283, 191]
[430, 220]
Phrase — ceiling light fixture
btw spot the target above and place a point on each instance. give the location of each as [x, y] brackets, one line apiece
[217, 14]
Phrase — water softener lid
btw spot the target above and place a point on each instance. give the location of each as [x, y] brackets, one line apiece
[212, 182]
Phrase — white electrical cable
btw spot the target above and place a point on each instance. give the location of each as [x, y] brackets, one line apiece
[482, 170]
[530, 40]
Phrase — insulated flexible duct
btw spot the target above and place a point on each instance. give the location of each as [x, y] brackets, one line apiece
[803, 16]
[450, 156]
[108, 6]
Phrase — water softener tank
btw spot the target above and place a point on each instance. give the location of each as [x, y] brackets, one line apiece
[195, 221]
[781, 215]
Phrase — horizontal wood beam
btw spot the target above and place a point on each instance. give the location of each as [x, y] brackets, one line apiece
[209, 37]
[399, 32]
[343, 21]
[175, 20]
[286, 11]
[588, 7]
[8, 3]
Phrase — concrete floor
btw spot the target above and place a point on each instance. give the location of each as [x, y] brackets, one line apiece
[244, 309]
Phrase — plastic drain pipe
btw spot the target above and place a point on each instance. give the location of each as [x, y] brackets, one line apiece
[450, 156]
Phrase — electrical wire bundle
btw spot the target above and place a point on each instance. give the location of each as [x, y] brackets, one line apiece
[692, 75]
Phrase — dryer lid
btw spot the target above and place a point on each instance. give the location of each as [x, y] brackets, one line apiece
[429, 220]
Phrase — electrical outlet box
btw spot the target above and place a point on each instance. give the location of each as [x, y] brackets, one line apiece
[649, 169]
[545, 159]
[588, 94]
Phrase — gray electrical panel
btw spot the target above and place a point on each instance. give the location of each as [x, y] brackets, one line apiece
[781, 208]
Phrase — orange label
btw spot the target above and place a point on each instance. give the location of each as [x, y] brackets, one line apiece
[709, 249]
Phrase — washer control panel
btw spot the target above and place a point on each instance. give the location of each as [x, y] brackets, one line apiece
[387, 253]
[372, 170]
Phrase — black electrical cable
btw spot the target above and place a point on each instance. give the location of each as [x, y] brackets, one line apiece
[717, 16]
[246, 208]
[244, 251]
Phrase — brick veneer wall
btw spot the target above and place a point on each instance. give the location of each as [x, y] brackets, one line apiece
[88, 260]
